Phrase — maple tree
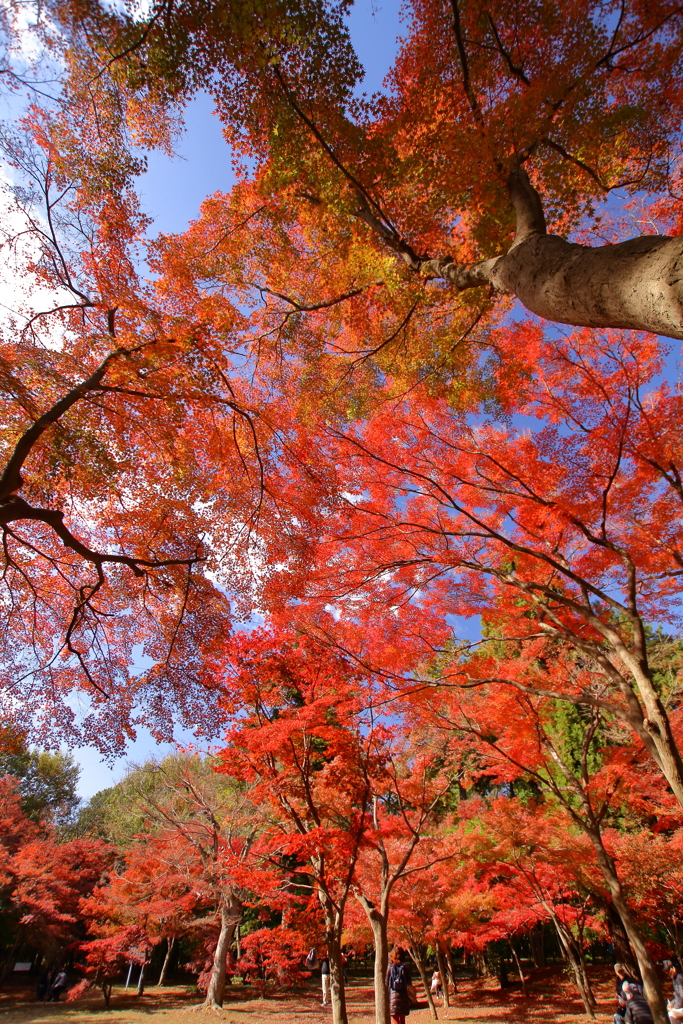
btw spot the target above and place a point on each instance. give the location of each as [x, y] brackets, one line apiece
[304, 744]
[405, 837]
[154, 890]
[317, 403]
[651, 870]
[534, 530]
[517, 734]
[350, 210]
[105, 959]
[42, 879]
[201, 831]
[587, 96]
[138, 476]
[555, 880]
[274, 955]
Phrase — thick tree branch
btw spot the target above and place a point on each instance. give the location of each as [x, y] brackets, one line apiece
[634, 285]
[15, 508]
[11, 479]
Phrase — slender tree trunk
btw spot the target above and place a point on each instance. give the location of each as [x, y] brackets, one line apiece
[141, 979]
[583, 984]
[537, 945]
[418, 960]
[231, 915]
[10, 960]
[170, 943]
[502, 968]
[519, 966]
[443, 973]
[450, 963]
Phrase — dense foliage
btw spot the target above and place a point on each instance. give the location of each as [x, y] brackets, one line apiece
[393, 392]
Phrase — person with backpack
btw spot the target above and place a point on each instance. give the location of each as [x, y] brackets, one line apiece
[398, 981]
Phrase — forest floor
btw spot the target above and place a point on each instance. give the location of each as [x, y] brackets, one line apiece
[551, 1000]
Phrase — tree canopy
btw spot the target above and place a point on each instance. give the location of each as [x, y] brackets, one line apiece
[411, 371]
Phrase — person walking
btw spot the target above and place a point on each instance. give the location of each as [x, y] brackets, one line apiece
[435, 986]
[398, 979]
[675, 1006]
[325, 979]
[58, 986]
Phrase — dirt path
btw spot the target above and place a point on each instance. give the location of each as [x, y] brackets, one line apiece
[551, 1001]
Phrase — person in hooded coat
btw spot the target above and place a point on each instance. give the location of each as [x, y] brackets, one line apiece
[398, 979]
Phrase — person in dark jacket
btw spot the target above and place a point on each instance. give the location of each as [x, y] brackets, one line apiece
[325, 978]
[637, 1010]
[675, 1007]
[398, 979]
[622, 975]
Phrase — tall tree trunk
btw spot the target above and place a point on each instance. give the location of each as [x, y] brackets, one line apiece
[443, 973]
[583, 984]
[418, 960]
[518, 965]
[623, 954]
[141, 979]
[231, 915]
[450, 962]
[378, 923]
[651, 986]
[170, 943]
[334, 952]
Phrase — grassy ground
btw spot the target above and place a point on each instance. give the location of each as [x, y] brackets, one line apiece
[551, 1000]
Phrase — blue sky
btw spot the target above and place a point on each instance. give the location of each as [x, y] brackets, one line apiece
[171, 192]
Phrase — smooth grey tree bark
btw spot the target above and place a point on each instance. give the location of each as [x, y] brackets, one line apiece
[636, 284]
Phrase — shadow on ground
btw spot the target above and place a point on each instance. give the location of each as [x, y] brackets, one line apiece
[551, 998]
